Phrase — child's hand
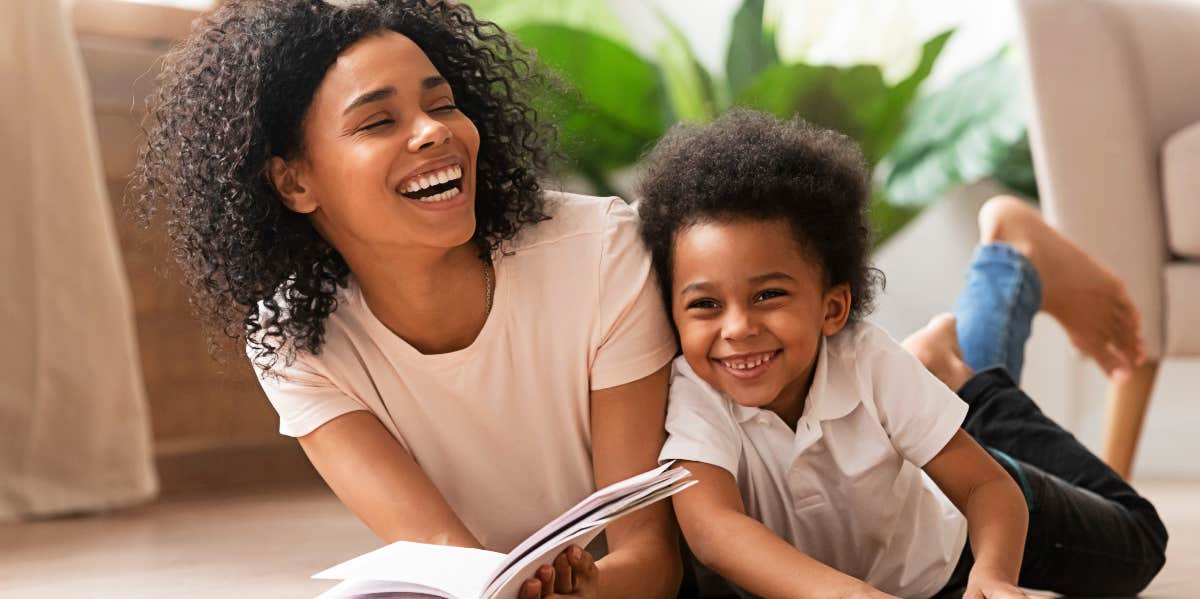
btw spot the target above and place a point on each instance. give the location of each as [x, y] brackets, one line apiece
[573, 574]
[986, 587]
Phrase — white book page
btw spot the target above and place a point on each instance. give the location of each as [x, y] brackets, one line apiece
[510, 583]
[458, 571]
[507, 582]
[590, 503]
[381, 589]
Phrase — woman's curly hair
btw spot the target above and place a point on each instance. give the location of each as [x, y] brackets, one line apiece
[235, 93]
[749, 165]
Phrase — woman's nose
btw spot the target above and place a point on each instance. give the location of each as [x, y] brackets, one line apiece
[428, 132]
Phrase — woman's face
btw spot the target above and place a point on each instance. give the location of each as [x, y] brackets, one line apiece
[388, 159]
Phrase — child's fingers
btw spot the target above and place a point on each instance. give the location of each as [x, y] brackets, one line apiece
[563, 580]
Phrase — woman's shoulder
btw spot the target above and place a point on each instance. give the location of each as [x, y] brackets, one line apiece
[571, 217]
[346, 313]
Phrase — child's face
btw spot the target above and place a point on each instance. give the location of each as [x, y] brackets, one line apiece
[751, 307]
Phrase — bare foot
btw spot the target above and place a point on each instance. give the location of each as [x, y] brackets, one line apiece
[936, 346]
[1086, 298]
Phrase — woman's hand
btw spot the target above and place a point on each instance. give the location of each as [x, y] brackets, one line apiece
[573, 574]
[867, 591]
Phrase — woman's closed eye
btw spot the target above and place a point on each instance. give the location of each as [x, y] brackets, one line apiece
[376, 124]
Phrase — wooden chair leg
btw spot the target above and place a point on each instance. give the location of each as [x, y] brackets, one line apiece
[1127, 402]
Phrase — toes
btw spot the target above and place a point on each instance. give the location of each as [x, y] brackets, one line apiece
[1126, 336]
[1097, 348]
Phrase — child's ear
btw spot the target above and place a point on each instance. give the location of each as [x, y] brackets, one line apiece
[287, 178]
[837, 309]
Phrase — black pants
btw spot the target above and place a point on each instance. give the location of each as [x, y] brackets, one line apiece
[1089, 533]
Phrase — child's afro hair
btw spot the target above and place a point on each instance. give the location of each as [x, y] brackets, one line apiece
[750, 165]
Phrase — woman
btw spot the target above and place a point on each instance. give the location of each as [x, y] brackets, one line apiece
[352, 189]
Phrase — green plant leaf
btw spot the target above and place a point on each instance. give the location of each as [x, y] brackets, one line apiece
[587, 15]
[1015, 169]
[751, 47]
[688, 85]
[844, 98]
[956, 135]
[611, 107]
[893, 111]
[887, 218]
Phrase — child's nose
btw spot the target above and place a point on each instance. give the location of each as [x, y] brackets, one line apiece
[739, 324]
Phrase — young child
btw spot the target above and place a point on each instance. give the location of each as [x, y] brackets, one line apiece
[834, 463]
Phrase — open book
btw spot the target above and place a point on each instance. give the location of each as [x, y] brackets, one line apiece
[405, 569]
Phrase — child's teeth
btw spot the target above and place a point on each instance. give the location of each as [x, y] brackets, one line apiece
[762, 359]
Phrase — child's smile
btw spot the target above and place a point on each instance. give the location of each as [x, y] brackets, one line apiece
[748, 366]
[751, 307]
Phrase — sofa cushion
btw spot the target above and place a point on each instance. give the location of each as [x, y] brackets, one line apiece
[1182, 312]
[1181, 191]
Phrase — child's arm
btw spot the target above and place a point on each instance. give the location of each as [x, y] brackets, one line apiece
[745, 552]
[995, 511]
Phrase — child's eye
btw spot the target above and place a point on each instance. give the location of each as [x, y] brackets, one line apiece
[702, 304]
[769, 294]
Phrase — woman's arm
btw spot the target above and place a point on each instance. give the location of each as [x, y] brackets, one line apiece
[627, 434]
[380, 482]
[746, 552]
[996, 514]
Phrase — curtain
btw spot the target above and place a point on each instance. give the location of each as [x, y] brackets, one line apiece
[74, 421]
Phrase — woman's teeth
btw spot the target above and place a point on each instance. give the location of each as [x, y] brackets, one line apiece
[747, 364]
[440, 197]
[427, 180]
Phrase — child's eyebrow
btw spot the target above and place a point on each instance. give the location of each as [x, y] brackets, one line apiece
[771, 276]
[697, 286]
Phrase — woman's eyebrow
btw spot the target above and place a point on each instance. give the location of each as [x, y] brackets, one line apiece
[371, 96]
[432, 81]
[383, 93]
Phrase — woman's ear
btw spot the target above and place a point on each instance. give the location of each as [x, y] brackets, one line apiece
[286, 178]
[837, 309]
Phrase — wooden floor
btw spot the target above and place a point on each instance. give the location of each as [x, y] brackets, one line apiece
[266, 544]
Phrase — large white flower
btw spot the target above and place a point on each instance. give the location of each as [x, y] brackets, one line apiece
[849, 32]
[889, 33]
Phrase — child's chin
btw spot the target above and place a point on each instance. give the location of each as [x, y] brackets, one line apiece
[749, 401]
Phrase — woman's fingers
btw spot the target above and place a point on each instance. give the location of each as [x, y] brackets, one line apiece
[545, 575]
[532, 589]
[583, 568]
[564, 582]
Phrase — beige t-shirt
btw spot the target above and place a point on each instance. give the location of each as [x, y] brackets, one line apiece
[845, 487]
[502, 427]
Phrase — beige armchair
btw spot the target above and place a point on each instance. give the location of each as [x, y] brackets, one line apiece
[1115, 130]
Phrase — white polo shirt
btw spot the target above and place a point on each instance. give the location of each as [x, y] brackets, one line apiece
[846, 487]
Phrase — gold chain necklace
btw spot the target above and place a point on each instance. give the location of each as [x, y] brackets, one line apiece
[487, 286]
